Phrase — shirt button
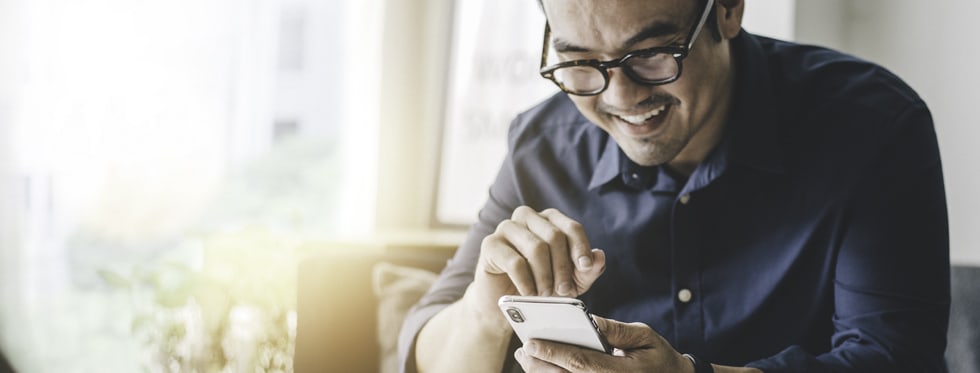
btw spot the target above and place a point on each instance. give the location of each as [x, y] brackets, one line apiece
[684, 295]
[635, 176]
[685, 199]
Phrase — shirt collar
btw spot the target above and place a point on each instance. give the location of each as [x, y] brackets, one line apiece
[614, 164]
[751, 136]
[608, 166]
[752, 133]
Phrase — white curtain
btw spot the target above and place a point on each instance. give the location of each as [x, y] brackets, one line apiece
[121, 125]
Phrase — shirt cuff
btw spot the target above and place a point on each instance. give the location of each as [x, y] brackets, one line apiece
[791, 360]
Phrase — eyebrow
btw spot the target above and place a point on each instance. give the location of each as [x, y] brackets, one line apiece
[657, 29]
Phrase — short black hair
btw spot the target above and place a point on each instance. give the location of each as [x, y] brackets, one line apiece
[712, 21]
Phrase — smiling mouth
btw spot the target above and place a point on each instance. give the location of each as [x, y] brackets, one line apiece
[644, 124]
[641, 119]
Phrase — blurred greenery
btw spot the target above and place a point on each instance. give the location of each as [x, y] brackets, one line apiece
[235, 313]
[220, 294]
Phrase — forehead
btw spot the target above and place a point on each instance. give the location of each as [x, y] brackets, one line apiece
[603, 25]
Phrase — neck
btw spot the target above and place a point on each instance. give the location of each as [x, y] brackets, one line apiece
[709, 134]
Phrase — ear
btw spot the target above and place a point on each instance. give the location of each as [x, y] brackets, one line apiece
[729, 17]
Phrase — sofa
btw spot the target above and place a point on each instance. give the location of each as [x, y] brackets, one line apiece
[350, 304]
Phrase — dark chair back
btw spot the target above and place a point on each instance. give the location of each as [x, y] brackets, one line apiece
[963, 339]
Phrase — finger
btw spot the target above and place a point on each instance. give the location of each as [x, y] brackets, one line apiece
[584, 279]
[568, 357]
[578, 243]
[532, 364]
[500, 258]
[627, 336]
[562, 267]
[536, 250]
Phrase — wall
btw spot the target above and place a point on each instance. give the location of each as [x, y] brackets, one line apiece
[773, 18]
[931, 44]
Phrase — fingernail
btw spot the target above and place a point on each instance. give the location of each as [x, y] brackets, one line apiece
[564, 288]
[531, 347]
[584, 262]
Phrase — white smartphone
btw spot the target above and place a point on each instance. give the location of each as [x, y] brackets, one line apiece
[557, 319]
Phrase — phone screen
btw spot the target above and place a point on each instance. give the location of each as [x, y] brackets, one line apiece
[558, 319]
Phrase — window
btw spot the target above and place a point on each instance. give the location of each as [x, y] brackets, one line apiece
[494, 76]
[146, 145]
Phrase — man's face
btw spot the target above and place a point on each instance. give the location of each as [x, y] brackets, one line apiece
[652, 124]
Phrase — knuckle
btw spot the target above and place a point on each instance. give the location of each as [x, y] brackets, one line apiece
[491, 240]
[577, 362]
[515, 263]
[504, 224]
[552, 235]
[521, 211]
[573, 226]
[538, 249]
[488, 239]
[637, 324]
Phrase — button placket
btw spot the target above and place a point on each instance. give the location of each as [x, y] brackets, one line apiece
[684, 295]
[688, 311]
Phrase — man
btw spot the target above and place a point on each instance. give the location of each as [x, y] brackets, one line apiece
[756, 205]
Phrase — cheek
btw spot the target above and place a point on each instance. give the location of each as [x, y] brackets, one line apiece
[699, 85]
[587, 105]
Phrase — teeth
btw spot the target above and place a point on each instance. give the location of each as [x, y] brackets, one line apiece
[639, 119]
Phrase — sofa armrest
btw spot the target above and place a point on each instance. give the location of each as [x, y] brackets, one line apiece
[336, 308]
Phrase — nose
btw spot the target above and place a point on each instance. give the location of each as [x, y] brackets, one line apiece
[623, 93]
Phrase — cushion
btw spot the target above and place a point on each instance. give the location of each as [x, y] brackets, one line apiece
[397, 288]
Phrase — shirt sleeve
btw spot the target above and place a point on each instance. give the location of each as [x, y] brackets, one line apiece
[891, 286]
[458, 274]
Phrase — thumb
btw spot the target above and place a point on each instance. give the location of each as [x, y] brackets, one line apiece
[584, 278]
[625, 336]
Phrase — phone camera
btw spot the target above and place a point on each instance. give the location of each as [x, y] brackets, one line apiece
[515, 315]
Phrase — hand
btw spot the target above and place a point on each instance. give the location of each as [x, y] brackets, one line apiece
[533, 253]
[638, 349]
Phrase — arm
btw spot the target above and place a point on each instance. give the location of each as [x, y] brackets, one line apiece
[530, 254]
[444, 346]
[511, 250]
[892, 280]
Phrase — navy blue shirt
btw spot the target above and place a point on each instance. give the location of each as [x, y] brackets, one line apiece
[812, 238]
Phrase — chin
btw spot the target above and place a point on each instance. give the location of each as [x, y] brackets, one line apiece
[646, 154]
[647, 159]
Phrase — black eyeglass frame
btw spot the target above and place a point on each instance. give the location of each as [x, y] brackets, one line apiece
[678, 52]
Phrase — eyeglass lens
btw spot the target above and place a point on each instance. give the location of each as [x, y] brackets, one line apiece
[580, 78]
[652, 68]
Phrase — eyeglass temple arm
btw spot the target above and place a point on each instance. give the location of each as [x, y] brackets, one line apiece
[544, 47]
[697, 30]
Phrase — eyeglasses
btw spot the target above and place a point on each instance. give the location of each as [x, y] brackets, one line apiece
[653, 66]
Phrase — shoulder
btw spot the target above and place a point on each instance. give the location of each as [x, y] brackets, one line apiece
[829, 99]
[817, 78]
[833, 115]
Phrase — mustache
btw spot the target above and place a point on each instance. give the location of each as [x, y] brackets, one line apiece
[651, 102]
